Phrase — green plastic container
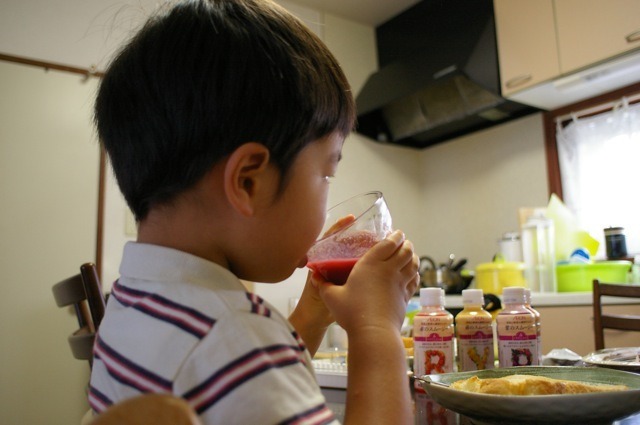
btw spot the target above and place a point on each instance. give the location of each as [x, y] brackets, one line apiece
[579, 277]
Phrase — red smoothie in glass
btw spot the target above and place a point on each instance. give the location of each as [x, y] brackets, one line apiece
[335, 270]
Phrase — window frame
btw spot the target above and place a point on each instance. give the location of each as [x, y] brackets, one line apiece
[554, 179]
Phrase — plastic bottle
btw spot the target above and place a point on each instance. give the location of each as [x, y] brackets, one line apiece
[536, 313]
[510, 247]
[474, 333]
[538, 252]
[432, 336]
[516, 327]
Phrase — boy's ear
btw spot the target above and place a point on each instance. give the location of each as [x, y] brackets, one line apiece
[245, 174]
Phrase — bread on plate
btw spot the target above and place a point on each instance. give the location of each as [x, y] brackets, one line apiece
[531, 385]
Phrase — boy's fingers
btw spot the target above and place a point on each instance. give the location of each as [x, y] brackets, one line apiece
[397, 236]
[339, 224]
[412, 287]
[388, 246]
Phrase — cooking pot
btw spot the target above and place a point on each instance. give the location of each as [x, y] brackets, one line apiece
[449, 277]
[493, 277]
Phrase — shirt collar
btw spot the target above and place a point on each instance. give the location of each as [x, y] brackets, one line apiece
[162, 264]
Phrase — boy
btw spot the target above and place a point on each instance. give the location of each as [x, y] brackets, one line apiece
[223, 121]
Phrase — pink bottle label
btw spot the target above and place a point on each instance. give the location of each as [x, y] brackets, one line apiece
[432, 345]
[517, 340]
[434, 337]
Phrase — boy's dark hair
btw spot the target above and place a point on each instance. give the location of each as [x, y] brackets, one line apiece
[205, 77]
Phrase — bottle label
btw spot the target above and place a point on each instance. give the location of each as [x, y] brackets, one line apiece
[476, 350]
[475, 340]
[517, 340]
[432, 345]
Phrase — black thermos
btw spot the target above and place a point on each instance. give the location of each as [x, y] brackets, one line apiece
[616, 243]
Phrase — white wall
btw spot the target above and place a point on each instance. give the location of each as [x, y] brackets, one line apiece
[48, 218]
[473, 186]
[79, 33]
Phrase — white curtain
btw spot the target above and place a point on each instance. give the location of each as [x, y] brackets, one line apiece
[600, 170]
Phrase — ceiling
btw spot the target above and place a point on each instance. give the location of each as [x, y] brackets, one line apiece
[370, 12]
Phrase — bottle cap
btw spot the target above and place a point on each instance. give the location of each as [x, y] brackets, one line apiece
[538, 219]
[513, 295]
[431, 296]
[472, 296]
[527, 296]
[614, 231]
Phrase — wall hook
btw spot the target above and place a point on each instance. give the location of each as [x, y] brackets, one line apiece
[91, 72]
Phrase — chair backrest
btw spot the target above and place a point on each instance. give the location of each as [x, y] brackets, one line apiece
[157, 409]
[84, 293]
[603, 321]
[93, 289]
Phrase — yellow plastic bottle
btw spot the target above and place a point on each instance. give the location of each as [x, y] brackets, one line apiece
[432, 336]
[474, 333]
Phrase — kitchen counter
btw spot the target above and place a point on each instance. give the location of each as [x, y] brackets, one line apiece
[547, 299]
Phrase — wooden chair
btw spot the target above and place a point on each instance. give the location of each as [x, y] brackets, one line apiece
[93, 289]
[157, 409]
[603, 321]
[84, 293]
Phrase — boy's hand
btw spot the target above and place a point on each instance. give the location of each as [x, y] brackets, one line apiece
[339, 224]
[310, 295]
[378, 289]
[311, 317]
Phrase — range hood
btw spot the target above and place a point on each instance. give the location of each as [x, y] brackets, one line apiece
[438, 77]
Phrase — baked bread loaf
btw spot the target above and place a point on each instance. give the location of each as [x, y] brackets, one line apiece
[530, 385]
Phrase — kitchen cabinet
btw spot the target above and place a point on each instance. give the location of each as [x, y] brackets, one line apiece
[572, 327]
[527, 45]
[590, 31]
[539, 40]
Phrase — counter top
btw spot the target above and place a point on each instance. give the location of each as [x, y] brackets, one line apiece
[558, 299]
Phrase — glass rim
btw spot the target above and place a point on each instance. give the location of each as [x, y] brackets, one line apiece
[378, 196]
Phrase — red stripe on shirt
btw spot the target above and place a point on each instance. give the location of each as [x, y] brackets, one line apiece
[128, 372]
[238, 373]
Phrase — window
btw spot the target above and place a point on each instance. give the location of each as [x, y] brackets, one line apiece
[593, 151]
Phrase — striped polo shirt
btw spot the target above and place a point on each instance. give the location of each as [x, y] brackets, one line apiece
[176, 323]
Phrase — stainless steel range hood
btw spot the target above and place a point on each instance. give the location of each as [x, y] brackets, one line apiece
[438, 76]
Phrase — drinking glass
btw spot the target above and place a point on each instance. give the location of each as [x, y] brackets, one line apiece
[336, 252]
